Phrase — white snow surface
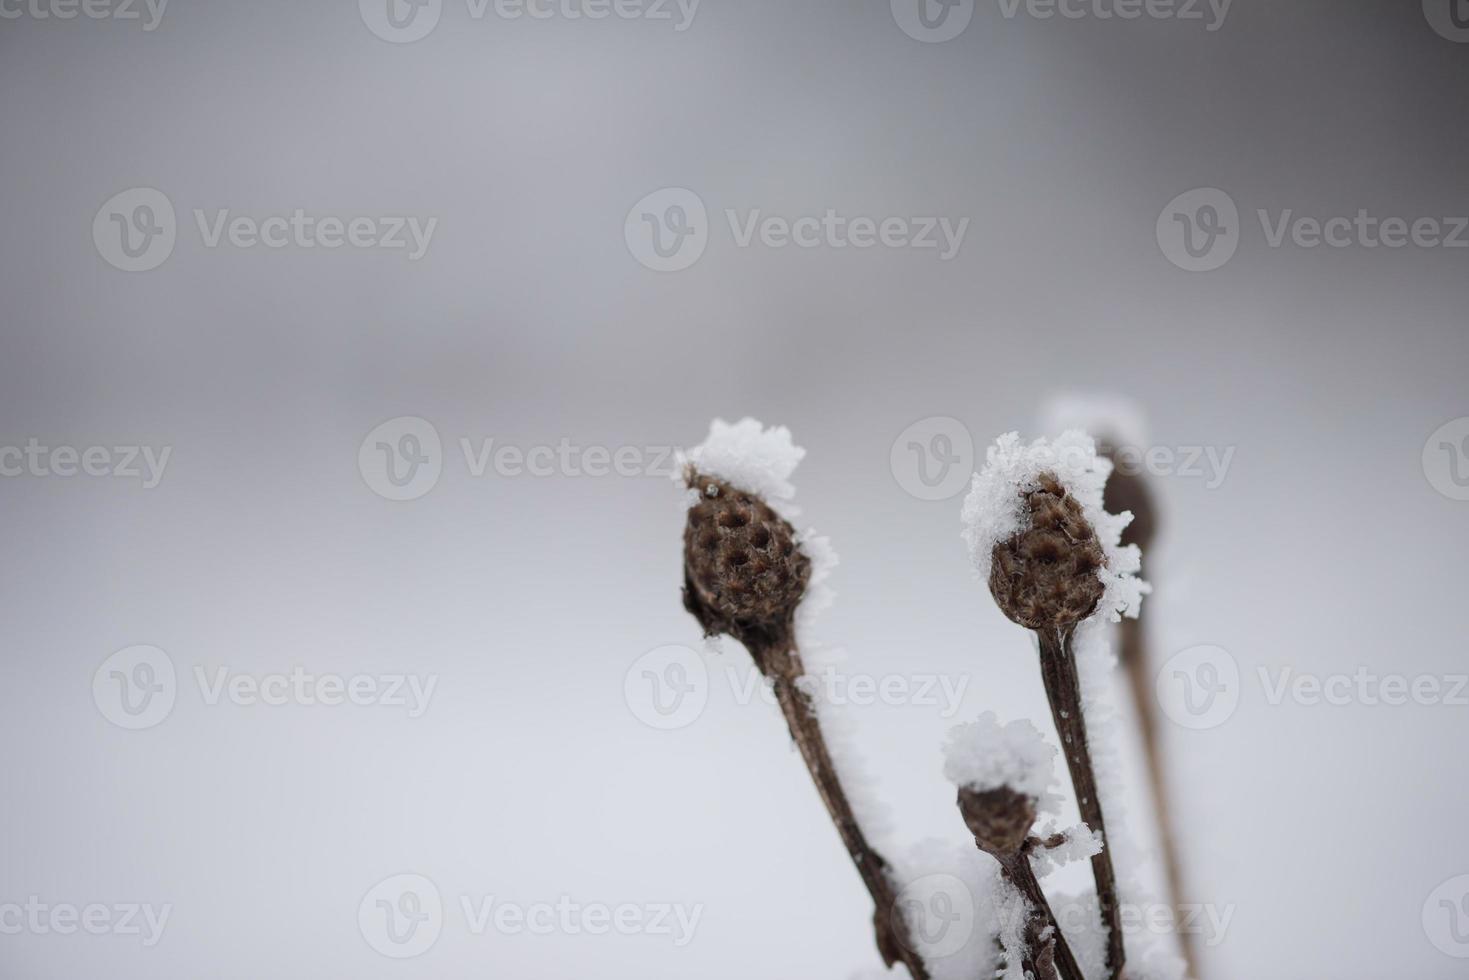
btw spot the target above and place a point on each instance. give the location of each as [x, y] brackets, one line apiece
[956, 907]
[995, 509]
[749, 456]
[983, 754]
[1081, 844]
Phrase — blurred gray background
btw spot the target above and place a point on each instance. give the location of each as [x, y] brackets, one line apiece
[1329, 546]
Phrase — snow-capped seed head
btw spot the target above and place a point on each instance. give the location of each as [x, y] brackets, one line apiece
[1000, 819]
[1063, 479]
[744, 573]
[982, 755]
[1048, 575]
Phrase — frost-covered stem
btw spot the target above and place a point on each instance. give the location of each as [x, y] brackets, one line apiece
[1133, 654]
[1018, 872]
[781, 662]
[1063, 690]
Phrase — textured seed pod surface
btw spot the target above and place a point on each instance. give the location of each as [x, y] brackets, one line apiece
[1046, 576]
[744, 573]
[1000, 819]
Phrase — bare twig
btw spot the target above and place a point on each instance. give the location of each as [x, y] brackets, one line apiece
[780, 661]
[1128, 491]
[1018, 872]
[1063, 690]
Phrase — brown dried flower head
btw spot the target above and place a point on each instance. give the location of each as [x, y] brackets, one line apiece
[1046, 576]
[1000, 819]
[744, 574]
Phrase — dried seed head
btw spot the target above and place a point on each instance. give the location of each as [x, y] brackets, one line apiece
[744, 574]
[1046, 576]
[1000, 819]
[1127, 490]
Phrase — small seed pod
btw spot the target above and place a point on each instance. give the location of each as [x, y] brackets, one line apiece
[1000, 819]
[744, 574]
[1046, 577]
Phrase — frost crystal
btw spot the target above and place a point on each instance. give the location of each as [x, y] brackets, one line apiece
[1080, 844]
[983, 755]
[995, 508]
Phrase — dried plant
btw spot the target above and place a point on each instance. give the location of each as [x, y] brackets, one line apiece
[1044, 578]
[1001, 820]
[744, 576]
[1128, 492]
[1052, 558]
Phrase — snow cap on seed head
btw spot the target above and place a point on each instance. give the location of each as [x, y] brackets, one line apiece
[1004, 774]
[745, 570]
[1061, 480]
[749, 457]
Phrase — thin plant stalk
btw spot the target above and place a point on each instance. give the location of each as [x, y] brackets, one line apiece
[1018, 872]
[781, 662]
[1135, 661]
[1063, 690]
